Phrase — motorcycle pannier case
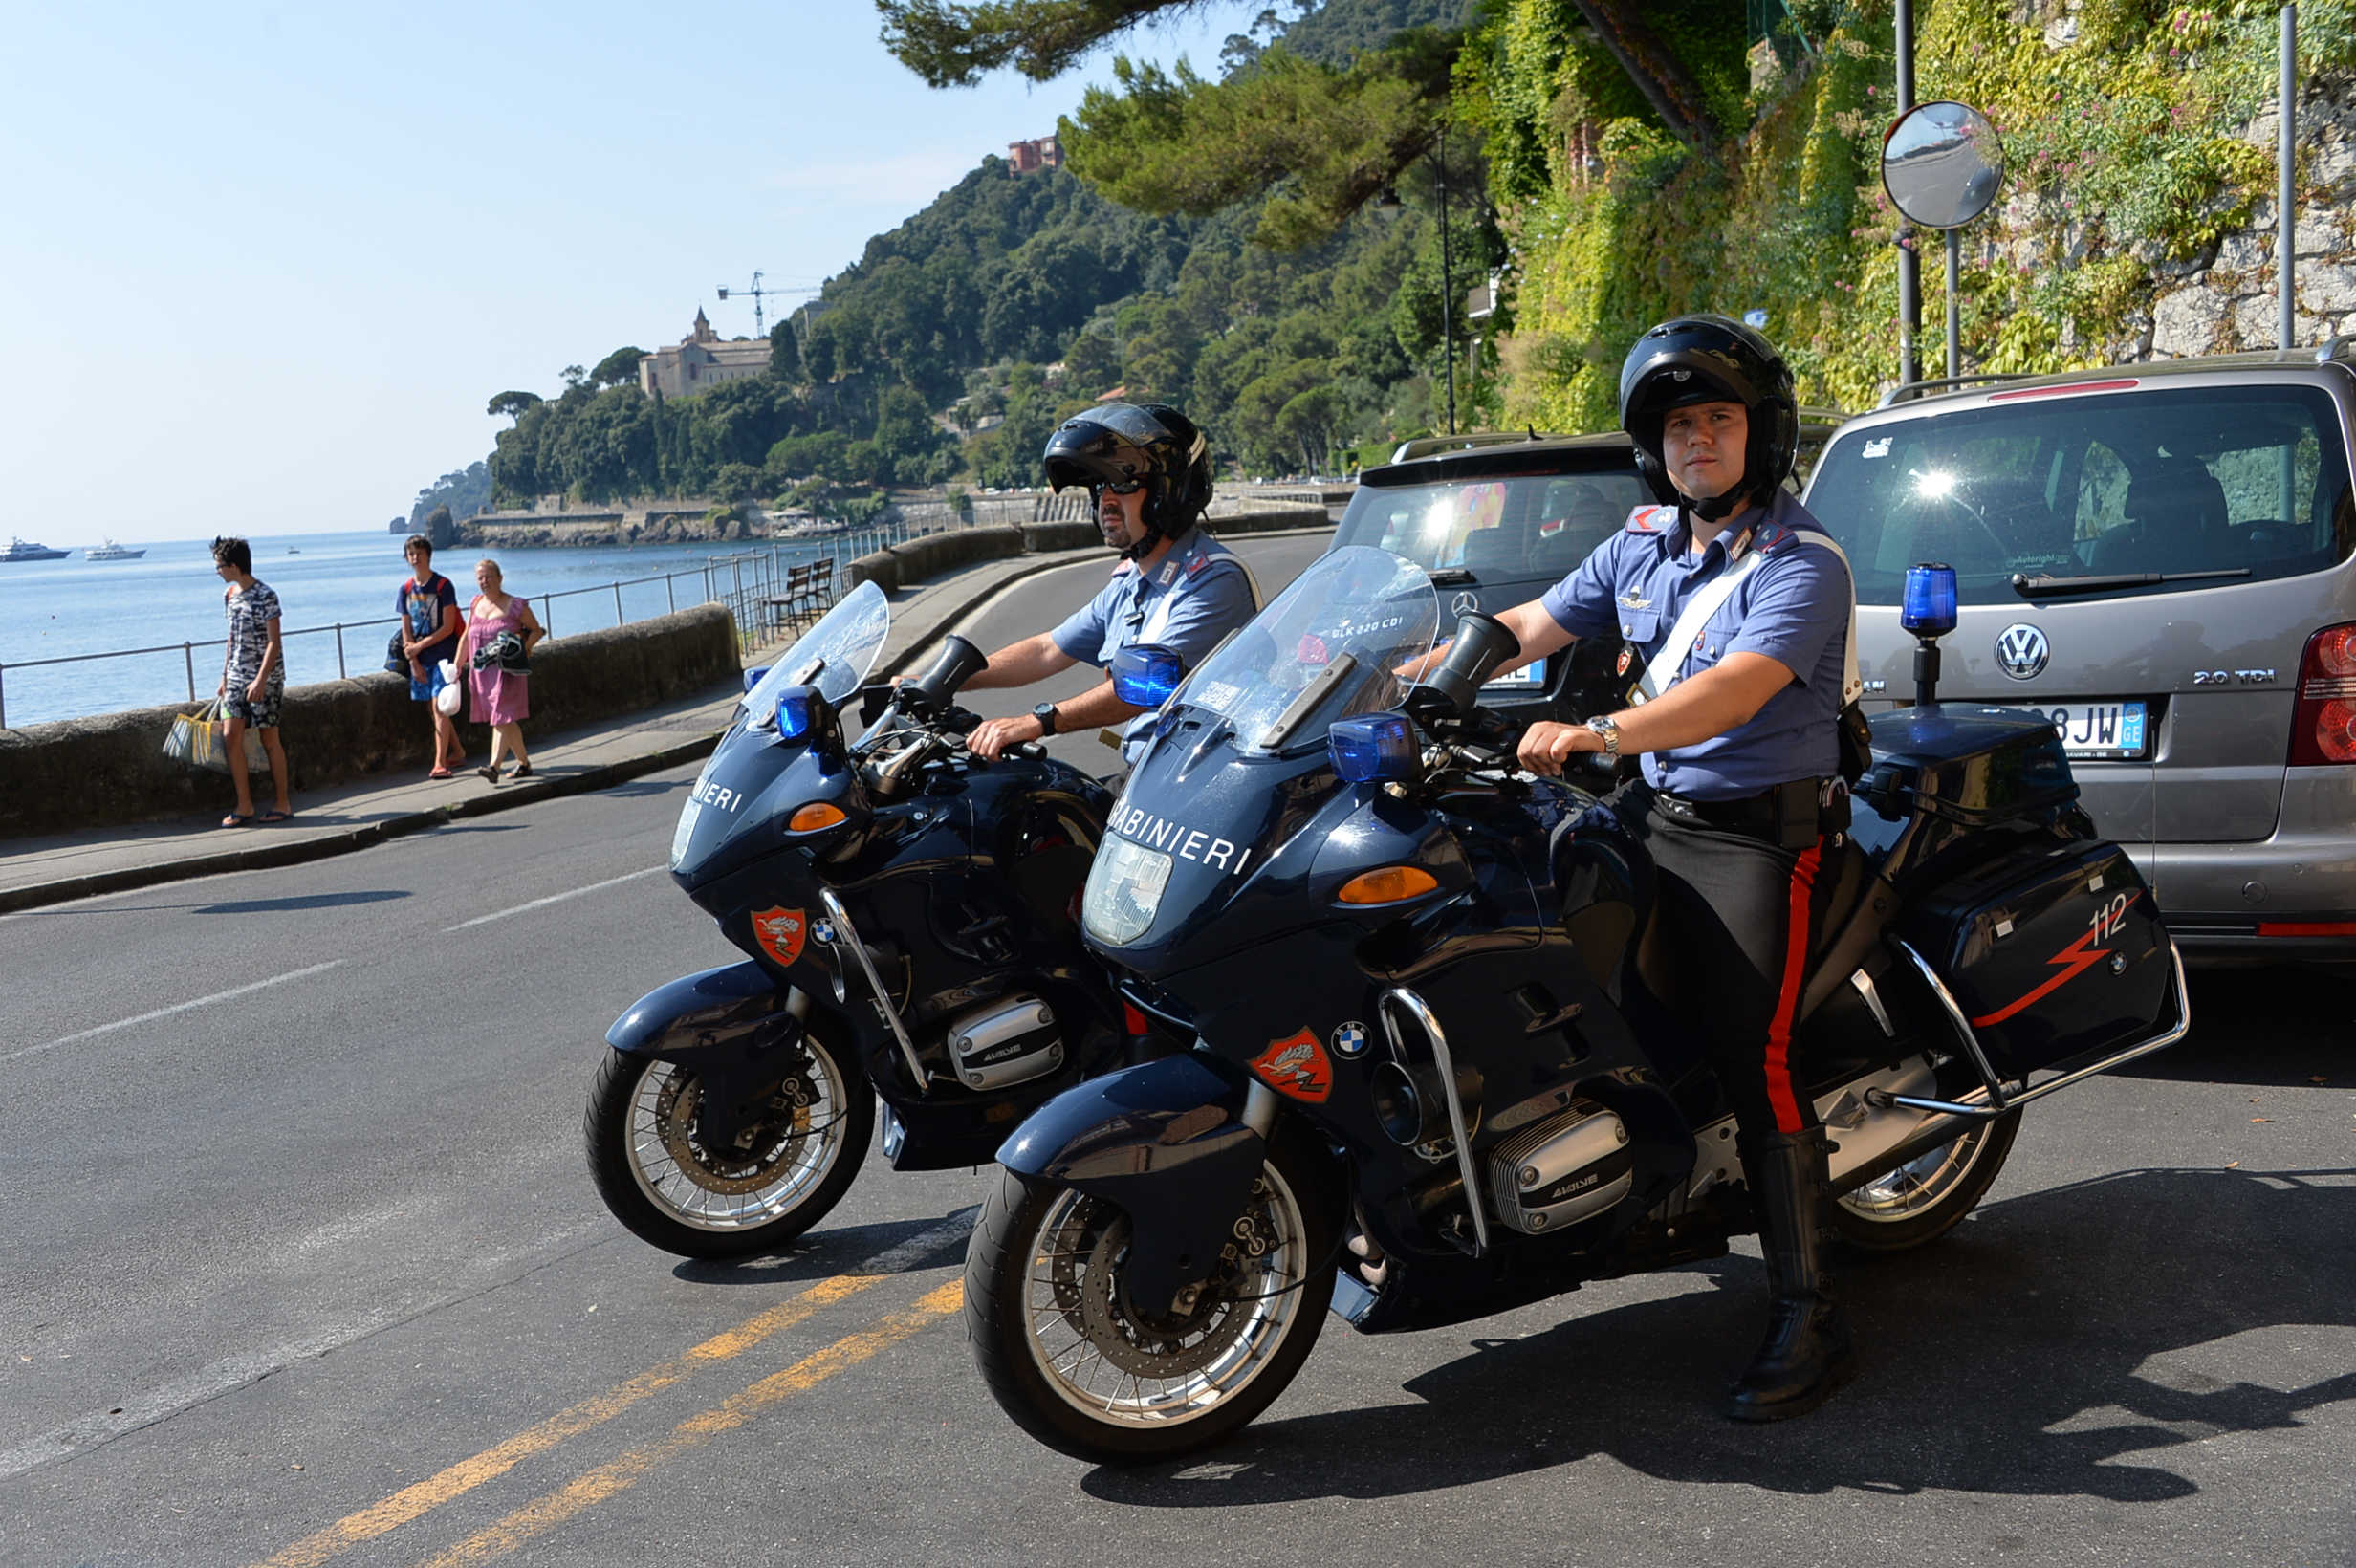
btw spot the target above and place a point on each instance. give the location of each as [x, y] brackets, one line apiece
[2051, 956]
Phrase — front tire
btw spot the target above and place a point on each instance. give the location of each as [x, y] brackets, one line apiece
[1077, 1367]
[1929, 1195]
[654, 1171]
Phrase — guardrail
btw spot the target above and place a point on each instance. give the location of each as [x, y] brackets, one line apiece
[762, 590]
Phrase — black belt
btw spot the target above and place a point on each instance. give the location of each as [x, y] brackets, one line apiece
[1791, 814]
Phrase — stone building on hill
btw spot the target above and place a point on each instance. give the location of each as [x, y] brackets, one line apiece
[1031, 157]
[700, 361]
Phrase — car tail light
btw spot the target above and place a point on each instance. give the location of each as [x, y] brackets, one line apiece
[2306, 927]
[2323, 725]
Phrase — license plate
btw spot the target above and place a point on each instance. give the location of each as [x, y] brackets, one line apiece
[1530, 677]
[2101, 730]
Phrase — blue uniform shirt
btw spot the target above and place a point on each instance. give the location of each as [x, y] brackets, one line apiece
[1195, 595]
[1793, 607]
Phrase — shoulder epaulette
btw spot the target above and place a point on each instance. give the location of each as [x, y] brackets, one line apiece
[1651, 520]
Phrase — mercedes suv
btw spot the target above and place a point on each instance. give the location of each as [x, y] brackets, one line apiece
[2158, 557]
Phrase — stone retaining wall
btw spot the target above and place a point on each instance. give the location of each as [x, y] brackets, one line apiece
[110, 770]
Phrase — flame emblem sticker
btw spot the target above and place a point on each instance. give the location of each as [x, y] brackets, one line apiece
[780, 933]
[1296, 1065]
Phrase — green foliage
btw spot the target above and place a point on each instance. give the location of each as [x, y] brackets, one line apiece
[618, 368]
[464, 492]
[510, 404]
[441, 530]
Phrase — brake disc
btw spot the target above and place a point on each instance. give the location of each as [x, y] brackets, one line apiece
[1181, 1342]
[780, 1135]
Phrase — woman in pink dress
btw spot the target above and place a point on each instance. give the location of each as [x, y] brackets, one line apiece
[495, 653]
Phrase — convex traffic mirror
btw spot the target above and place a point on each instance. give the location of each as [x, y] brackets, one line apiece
[1941, 163]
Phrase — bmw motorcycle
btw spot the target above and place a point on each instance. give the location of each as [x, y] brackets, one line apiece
[1433, 1079]
[909, 919]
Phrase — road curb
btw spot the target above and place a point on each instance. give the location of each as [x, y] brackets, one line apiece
[299, 851]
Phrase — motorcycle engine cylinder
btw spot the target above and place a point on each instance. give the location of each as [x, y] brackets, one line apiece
[1567, 1169]
[1012, 1041]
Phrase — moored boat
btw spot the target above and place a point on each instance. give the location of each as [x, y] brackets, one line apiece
[110, 551]
[20, 549]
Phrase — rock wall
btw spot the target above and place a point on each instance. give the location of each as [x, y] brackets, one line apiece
[2225, 298]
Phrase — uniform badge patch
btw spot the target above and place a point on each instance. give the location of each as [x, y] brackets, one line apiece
[1296, 1065]
[1627, 657]
[780, 933]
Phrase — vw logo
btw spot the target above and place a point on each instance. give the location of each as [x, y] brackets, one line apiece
[1464, 604]
[2021, 652]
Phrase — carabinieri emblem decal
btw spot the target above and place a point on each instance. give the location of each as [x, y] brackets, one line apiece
[779, 932]
[1296, 1065]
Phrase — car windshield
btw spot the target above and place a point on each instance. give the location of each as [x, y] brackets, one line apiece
[835, 655]
[1498, 529]
[1343, 627]
[2250, 481]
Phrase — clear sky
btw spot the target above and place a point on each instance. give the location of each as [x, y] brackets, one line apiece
[262, 266]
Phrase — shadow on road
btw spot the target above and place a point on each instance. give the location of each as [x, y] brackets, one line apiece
[2017, 1358]
[850, 1250]
[2270, 1027]
[305, 901]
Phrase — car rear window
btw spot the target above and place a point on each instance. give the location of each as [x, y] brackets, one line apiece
[2250, 480]
[1498, 529]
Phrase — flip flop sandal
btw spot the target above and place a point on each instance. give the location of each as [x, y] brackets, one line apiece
[233, 821]
[490, 774]
[439, 773]
[275, 816]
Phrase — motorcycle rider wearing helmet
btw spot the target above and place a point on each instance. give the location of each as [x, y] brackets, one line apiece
[1148, 468]
[1741, 751]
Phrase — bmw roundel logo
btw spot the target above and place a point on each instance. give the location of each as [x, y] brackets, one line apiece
[1349, 1039]
[2021, 651]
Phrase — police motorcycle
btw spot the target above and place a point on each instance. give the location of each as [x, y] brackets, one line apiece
[909, 916]
[1432, 1081]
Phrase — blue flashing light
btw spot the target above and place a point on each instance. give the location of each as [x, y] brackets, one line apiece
[1929, 608]
[798, 712]
[1143, 676]
[752, 676]
[1372, 747]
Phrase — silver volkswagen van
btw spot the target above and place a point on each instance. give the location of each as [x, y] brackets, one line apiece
[2157, 555]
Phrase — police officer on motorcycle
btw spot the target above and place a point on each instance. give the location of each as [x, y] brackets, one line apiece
[1741, 762]
[1148, 468]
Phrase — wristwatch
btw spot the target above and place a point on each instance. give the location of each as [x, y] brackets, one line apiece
[1045, 713]
[1604, 724]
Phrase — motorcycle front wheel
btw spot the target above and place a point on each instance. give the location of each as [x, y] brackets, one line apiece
[1079, 1366]
[655, 1172]
[1929, 1195]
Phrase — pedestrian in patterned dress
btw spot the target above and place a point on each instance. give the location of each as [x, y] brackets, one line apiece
[252, 678]
[495, 653]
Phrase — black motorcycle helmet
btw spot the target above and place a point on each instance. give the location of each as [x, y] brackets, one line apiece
[1709, 359]
[1127, 445]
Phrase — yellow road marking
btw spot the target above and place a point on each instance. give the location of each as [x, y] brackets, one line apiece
[462, 1477]
[539, 1518]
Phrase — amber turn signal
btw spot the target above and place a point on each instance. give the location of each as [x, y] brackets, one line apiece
[1388, 885]
[813, 816]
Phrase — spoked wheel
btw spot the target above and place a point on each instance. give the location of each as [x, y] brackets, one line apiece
[1081, 1368]
[659, 1177]
[1929, 1195]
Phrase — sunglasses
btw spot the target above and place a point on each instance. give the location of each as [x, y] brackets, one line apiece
[1121, 487]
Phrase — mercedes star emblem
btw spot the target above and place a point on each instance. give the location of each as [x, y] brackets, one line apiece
[2021, 651]
[1464, 604]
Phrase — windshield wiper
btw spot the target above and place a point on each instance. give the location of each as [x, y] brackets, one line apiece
[2041, 586]
[1450, 576]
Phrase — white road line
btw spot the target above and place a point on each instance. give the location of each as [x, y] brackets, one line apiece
[557, 897]
[167, 1012]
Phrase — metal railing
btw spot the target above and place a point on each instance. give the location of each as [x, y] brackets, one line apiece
[759, 587]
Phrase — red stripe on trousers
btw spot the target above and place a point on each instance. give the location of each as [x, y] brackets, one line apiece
[1795, 967]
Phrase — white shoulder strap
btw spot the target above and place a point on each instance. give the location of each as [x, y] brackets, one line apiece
[1703, 604]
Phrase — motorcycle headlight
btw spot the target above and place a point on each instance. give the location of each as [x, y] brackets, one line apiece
[685, 830]
[1125, 891]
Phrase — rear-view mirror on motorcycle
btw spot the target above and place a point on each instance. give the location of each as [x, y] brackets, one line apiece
[1147, 673]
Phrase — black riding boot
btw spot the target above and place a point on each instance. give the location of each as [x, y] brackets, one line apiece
[1805, 1355]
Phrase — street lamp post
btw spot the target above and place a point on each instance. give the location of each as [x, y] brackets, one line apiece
[1447, 289]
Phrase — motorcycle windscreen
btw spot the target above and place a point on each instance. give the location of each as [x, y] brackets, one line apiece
[1330, 646]
[834, 656]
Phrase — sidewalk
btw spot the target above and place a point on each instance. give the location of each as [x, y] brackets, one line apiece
[37, 871]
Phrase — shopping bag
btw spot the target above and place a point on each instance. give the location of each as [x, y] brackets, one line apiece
[452, 695]
[201, 740]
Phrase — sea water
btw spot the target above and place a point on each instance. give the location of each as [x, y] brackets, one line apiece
[170, 599]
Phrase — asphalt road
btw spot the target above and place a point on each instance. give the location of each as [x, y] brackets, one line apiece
[301, 1265]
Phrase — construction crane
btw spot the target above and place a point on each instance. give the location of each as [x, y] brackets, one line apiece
[760, 320]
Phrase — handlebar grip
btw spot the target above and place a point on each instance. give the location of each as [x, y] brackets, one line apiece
[1030, 751]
